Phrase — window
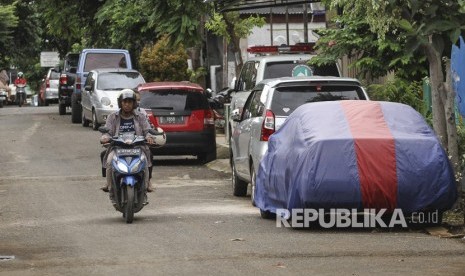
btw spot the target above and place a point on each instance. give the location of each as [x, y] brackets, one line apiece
[176, 100]
[287, 99]
[104, 60]
[252, 106]
[119, 80]
[284, 69]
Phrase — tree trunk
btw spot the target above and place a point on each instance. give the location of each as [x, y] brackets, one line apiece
[235, 47]
[436, 78]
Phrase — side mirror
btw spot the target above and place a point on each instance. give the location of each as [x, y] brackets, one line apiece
[103, 129]
[236, 115]
[208, 93]
[88, 87]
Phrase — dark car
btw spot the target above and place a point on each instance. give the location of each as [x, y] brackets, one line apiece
[181, 109]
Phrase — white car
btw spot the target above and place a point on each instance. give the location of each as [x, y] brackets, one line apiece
[101, 90]
[265, 110]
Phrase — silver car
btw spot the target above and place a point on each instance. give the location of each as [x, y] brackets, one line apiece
[101, 90]
[51, 86]
[266, 109]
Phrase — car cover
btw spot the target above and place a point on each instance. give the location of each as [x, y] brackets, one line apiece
[355, 154]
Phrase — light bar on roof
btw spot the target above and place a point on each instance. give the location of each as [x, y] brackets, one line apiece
[300, 48]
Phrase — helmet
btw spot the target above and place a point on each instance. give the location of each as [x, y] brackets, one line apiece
[127, 94]
[160, 138]
[20, 74]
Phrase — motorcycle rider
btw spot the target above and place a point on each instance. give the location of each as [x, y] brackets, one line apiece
[127, 119]
[20, 80]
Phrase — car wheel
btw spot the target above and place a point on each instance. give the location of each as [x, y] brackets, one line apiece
[62, 109]
[1, 104]
[267, 214]
[46, 102]
[76, 110]
[239, 186]
[253, 185]
[85, 122]
[95, 124]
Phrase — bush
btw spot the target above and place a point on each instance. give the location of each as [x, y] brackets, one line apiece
[164, 62]
[401, 91]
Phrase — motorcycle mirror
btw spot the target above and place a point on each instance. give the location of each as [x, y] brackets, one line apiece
[103, 129]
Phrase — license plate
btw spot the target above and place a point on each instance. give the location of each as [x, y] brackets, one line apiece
[128, 152]
[168, 120]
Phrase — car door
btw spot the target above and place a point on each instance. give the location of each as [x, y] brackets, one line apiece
[250, 116]
[86, 96]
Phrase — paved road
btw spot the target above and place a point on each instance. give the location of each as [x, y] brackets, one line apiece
[55, 221]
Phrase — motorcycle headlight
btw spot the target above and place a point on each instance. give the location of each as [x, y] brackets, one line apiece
[122, 167]
[105, 101]
[136, 168]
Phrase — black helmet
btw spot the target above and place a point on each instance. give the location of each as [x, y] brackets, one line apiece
[127, 94]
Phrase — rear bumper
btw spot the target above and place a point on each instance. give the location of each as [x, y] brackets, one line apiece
[187, 143]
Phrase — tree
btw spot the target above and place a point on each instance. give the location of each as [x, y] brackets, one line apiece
[7, 23]
[232, 27]
[429, 28]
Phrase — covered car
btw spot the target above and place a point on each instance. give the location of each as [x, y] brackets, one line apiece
[355, 155]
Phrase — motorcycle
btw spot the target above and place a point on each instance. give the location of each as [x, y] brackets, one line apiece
[3, 97]
[20, 94]
[129, 162]
[217, 103]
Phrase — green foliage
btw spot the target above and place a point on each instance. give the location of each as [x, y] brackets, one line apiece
[8, 21]
[196, 75]
[163, 62]
[402, 91]
[242, 28]
[179, 19]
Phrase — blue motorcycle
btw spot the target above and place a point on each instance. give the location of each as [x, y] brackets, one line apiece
[129, 162]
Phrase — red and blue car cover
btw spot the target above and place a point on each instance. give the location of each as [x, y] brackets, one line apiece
[355, 154]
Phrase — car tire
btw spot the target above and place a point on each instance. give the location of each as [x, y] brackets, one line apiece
[1, 104]
[76, 110]
[239, 186]
[85, 122]
[253, 185]
[95, 124]
[61, 109]
[267, 214]
[46, 103]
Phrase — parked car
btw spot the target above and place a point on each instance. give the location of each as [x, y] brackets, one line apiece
[267, 107]
[101, 91]
[49, 88]
[181, 109]
[355, 155]
[275, 62]
[67, 81]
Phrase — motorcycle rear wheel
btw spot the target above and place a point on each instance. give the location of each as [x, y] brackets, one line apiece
[129, 208]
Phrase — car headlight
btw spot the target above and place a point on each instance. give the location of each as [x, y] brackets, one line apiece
[105, 101]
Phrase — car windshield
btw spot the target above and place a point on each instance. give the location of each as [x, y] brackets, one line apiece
[287, 99]
[286, 68]
[119, 80]
[176, 100]
[104, 60]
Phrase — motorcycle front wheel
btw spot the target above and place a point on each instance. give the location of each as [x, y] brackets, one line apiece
[20, 99]
[129, 208]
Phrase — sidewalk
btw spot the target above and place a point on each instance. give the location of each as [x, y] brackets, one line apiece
[222, 151]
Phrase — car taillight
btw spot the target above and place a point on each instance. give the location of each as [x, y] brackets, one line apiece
[47, 83]
[267, 126]
[152, 119]
[63, 79]
[78, 83]
[208, 120]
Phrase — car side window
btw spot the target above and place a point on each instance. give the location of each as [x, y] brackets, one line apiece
[242, 77]
[252, 106]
